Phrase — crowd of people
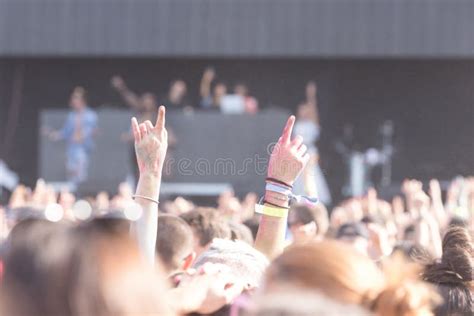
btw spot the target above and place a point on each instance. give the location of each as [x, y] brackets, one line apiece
[282, 254]
[214, 95]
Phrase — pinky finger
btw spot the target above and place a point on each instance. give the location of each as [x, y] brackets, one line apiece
[136, 130]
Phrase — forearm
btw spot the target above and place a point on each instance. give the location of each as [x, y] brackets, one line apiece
[271, 233]
[315, 112]
[205, 89]
[146, 226]
[435, 237]
[440, 215]
[129, 97]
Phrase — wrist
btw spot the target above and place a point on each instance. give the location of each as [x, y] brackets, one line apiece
[150, 175]
[277, 198]
[149, 185]
[151, 171]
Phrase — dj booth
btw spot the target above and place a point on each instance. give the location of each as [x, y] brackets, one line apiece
[213, 152]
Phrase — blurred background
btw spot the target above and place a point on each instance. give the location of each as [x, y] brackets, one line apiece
[394, 85]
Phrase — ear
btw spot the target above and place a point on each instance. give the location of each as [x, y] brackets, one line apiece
[308, 229]
[188, 261]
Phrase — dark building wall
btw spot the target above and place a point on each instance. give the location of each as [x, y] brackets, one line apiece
[430, 101]
[232, 28]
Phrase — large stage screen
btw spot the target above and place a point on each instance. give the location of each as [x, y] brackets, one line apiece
[211, 149]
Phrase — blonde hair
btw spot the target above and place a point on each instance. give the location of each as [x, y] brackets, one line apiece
[340, 272]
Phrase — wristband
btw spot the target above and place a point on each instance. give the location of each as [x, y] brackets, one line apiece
[145, 198]
[279, 182]
[271, 210]
[286, 191]
[279, 197]
[279, 189]
[275, 205]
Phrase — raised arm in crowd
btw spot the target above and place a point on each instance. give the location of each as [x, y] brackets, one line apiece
[368, 257]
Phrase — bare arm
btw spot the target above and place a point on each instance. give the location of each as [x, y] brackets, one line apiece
[287, 160]
[205, 86]
[314, 110]
[130, 97]
[151, 143]
[437, 206]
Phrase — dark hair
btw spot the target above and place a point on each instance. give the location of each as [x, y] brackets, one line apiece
[207, 225]
[458, 221]
[81, 92]
[252, 224]
[453, 273]
[241, 232]
[174, 241]
[318, 214]
[409, 231]
[412, 251]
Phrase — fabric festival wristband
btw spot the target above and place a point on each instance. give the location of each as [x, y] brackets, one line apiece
[279, 189]
[279, 182]
[286, 191]
[271, 210]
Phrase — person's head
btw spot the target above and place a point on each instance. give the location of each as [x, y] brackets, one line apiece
[411, 251]
[409, 233]
[356, 235]
[92, 269]
[308, 222]
[177, 91]
[241, 89]
[206, 225]
[245, 262]
[78, 100]
[300, 302]
[220, 90]
[340, 272]
[148, 101]
[174, 244]
[34, 252]
[311, 89]
[453, 275]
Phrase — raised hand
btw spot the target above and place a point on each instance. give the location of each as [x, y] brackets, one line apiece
[151, 143]
[117, 82]
[288, 157]
[435, 189]
[208, 290]
[209, 74]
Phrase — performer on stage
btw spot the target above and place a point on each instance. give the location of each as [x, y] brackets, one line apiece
[146, 108]
[78, 131]
[307, 125]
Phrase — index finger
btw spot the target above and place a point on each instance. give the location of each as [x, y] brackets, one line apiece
[160, 120]
[286, 135]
